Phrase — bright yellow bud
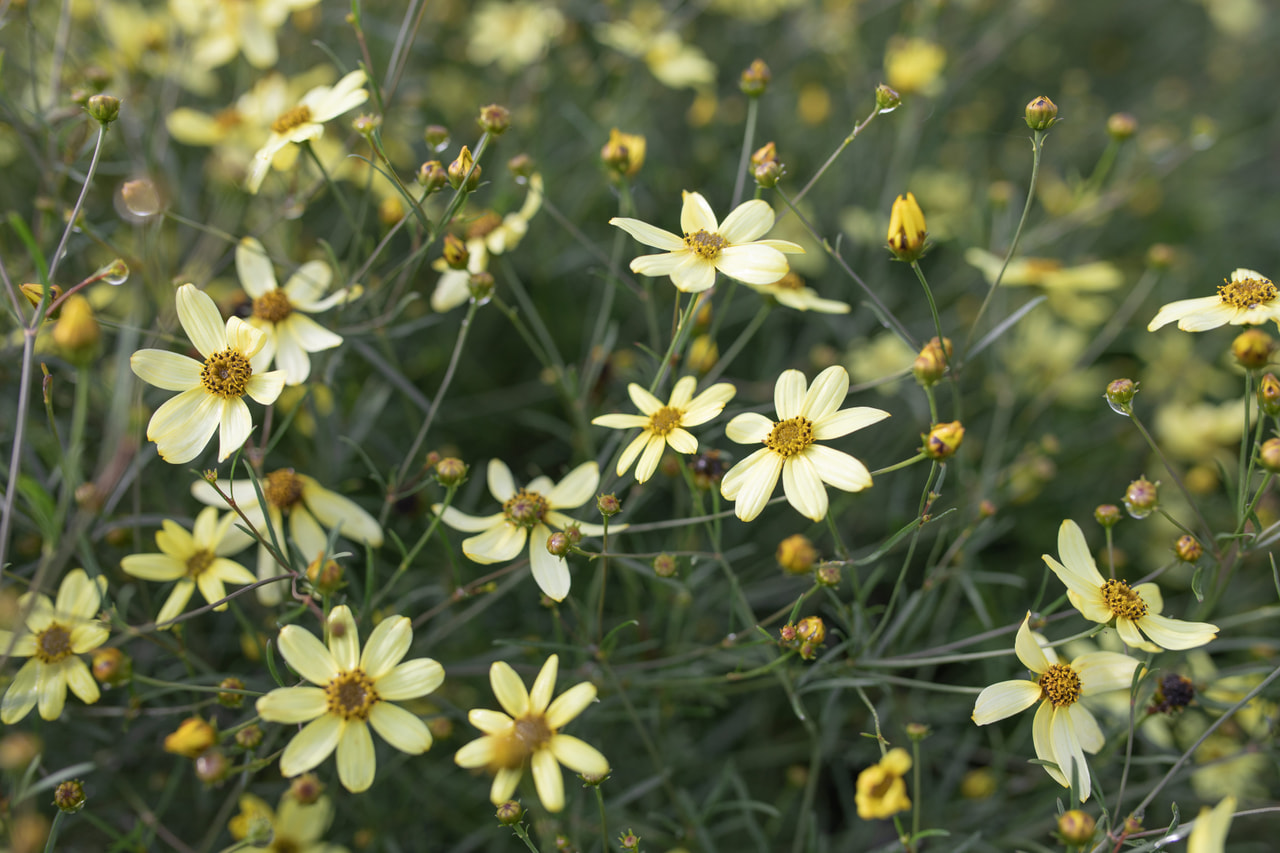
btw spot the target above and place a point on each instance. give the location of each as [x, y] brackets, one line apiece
[192, 738]
[906, 229]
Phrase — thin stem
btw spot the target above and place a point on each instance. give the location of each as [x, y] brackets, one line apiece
[15, 455]
[683, 325]
[748, 136]
[333, 188]
[848, 140]
[75, 211]
[1151, 442]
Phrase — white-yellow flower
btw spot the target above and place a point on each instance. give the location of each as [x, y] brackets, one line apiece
[1209, 833]
[1248, 297]
[1134, 609]
[54, 635]
[212, 390]
[529, 732]
[306, 121]
[1063, 729]
[528, 514]
[296, 827]
[707, 245]
[791, 292]
[513, 34]
[805, 416]
[281, 313]
[353, 691]
[225, 28]
[663, 426]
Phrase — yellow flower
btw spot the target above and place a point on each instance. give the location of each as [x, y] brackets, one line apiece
[528, 514]
[193, 736]
[295, 827]
[353, 692]
[663, 426]
[906, 228]
[224, 28]
[55, 634]
[1063, 729]
[1248, 297]
[1134, 609]
[912, 65]
[305, 122]
[513, 35]
[212, 391]
[791, 292]
[530, 733]
[1209, 833]
[312, 511]
[281, 313]
[881, 788]
[624, 152]
[195, 559]
[673, 62]
[804, 417]
[730, 247]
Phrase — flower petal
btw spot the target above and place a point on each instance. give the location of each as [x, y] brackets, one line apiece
[1086, 728]
[201, 320]
[753, 263]
[344, 638]
[1043, 742]
[631, 452]
[845, 421]
[648, 234]
[183, 425]
[789, 394]
[168, 370]
[509, 689]
[403, 730]
[578, 756]
[656, 266]
[308, 284]
[81, 681]
[498, 544]
[504, 785]
[652, 456]
[292, 704]
[693, 274]
[357, 762]
[1181, 308]
[386, 647]
[78, 596]
[1066, 746]
[176, 602]
[235, 424]
[825, 395]
[501, 484]
[459, 520]
[838, 469]
[753, 486]
[21, 696]
[265, 388]
[307, 655]
[1176, 634]
[411, 679]
[696, 215]
[620, 421]
[544, 685]
[1004, 699]
[748, 428]
[642, 399]
[335, 511]
[254, 268]
[682, 441]
[549, 571]
[1028, 650]
[548, 779]
[803, 487]
[570, 704]
[578, 487]
[747, 221]
[1103, 671]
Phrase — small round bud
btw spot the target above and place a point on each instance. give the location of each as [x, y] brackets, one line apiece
[455, 252]
[231, 700]
[1160, 256]
[917, 731]
[943, 440]
[887, 100]
[193, 736]
[1173, 693]
[608, 505]
[509, 813]
[623, 153]
[1108, 515]
[249, 737]
[111, 666]
[522, 166]
[558, 545]
[326, 577]
[441, 727]
[796, 555]
[432, 177]
[140, 197]
[931, 364]
[1120, 394]
[978, 784]
[1041, 113]
[451, 471]
[464, 171]
[365, 124]
[787, 633]
[755, 79]
[212, 767]
[1269, 395]
[665, 565]
[829, 574]
[480, 286]
[1132, 825]
[1252, 349]
[1269, 454]
[1188, 548]
[306, 789]
[629, 840]
[1076, 827]
[495, 119]
[907, 232]
[1121, 126]
[69, 796]
[103, 108]
[987, 508]
[1142, 496]
[812, 629]
[574, 532]
[703, 354]
[768, 174]
[436, 136]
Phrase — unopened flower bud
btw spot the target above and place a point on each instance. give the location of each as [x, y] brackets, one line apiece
[103, 108]
[249, 737]
[1269, 454]
[665, 565]
[829, 574]
[1188, 548]
[766, 153]
[432, 177]
[558, 545]
[608, 505]
[768, 174]
[1121, 126]
[887, 100]
[812, 629]
[574, 532]
[755, 79]
[1076, 827]
[703, 354]
[1160, 256]
[708, 469]
[35, 292]
[509, 813]
[140, 197]
[1269, 395]
[1108, 515]
[212, 767]
[931, 364]
[1041, 113]
[1120, 394]
[69, 796]
[111, 666]
[623, 153]
[464, 172]
[1252, 348]
[1142, 496]
[495, 119]
[365, 124]
[451, 471]
[907, 231]
[231, 700]
[326, 577]
[521, 165]
[193, 736]
[917, 731]
[629, 840]
[943, 440]
[306, 789]
[796, 555]
[97, 77]
[480, 286]
[455, 252]
[436, 136]
[77, 330]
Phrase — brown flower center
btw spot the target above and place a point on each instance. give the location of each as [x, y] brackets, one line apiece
[290, 119]
[283, 489]
[704, 245]
[528, 734]
[53, 644]
[790, 437]
[198, 562]
[272, 306]
[663, 421]
[1249, 293]
[526, 509]
[1060, 685]
[351, 695]
[1122, 601]
[226, 374]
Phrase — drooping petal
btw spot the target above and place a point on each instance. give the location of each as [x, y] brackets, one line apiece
[459, 520]
[1209, 833]
[509, 689]
[403, 730]
[845, 421]
[1028, 650]
[292, 704]
[1066, 746]
[498, 544]
[357, 762]
[307, 333]
[548, 780]
[577, 487]
[201, 320]
[21, 696]
[168, 370]
[176, 602]
[570, 704]
[747, 221]
[307, 532]
[235, 424]
[682, 441]
[411, 679]
[838, 469]
[648, 234]
[1086, 727]
[307, 655]
[748, 428]
[549, 571]
[335, 511]
[1043, 741]
[254, 268]
[1180, 309]
[631, 452]
[1004, 699]
[81, 681]
[803, 487]
[504, 785]
[51, 690]
[290, 357]
[578, 756]
[656, 266]
[788, 394]
[1128, 632]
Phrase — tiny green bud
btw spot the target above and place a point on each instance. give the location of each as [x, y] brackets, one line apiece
[495, 119]
[755, 79]
[608, 505]
[1108, 515]
[887, 100]
[69, 796]
[1041, 113]
[103, 108]
[509, 813]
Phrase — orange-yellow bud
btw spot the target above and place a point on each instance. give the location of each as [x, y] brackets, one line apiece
[907, 230]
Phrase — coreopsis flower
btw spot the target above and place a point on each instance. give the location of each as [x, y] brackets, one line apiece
[295, 826]
[224, 29]
[644, 36]
[305, 121]
[53, 637]
[1134, 610]
[1209, 833]
[353, 691]
[514, 34]
[1248, 297]
[663, 426]
[529, 733]
[312, 509]
[793, 293]
[281, 313]
[707, 245]
[1063, 729]
[882, 789]
[193, 559]
[212, 391]
[790, 449]
[528, 514]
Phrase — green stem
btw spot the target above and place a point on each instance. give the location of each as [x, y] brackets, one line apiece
[75, 211]
[898, 465]
[748, 135]
[1242, 483]
[841, 550]
[848, 140]
[683, 325]
[1151, 442]
[744, 337]
[333, 188]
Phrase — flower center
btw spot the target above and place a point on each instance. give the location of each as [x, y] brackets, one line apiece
[198, 562]
[527, 735]
[1060, 685]
[1123, 602]
[790, 436]
[663, 421]
[53, 644]
[284, 489]
[351, 695]
[704, 245]
[290, 119]
[272, 306]
[226, 374]
[1249, 293]
[526, 509]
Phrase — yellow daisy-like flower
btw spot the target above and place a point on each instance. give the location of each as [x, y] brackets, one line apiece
[1134, 609]
[305, 121]
[1063, 729]
[881, 788]
[295, 827]
[282, 313]
[528, 513]
[225, 28]
[195, 559]
[313, 510]
[1248, 297]
[514, 34]
[707, 245]
[1209, 833]
[55, 634]
[791, 292]
[805, 416]
[663, 426]
[212, 391]
[353, 691]
[530, 733]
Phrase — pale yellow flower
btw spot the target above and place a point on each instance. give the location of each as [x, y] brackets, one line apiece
[664, 425]
[529, 732]
[1209, 833]
[1134, 609]
[644, 36]
[805, 416]
[913, 65]
[54, 635]
[222, 29]
[352, 692]
[791, 292]
[295, 827]
[1248, 297]
[707, 245]
[193, 559]
[513, 35]
[212, 390]
[882, 789]
[1070, 289]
